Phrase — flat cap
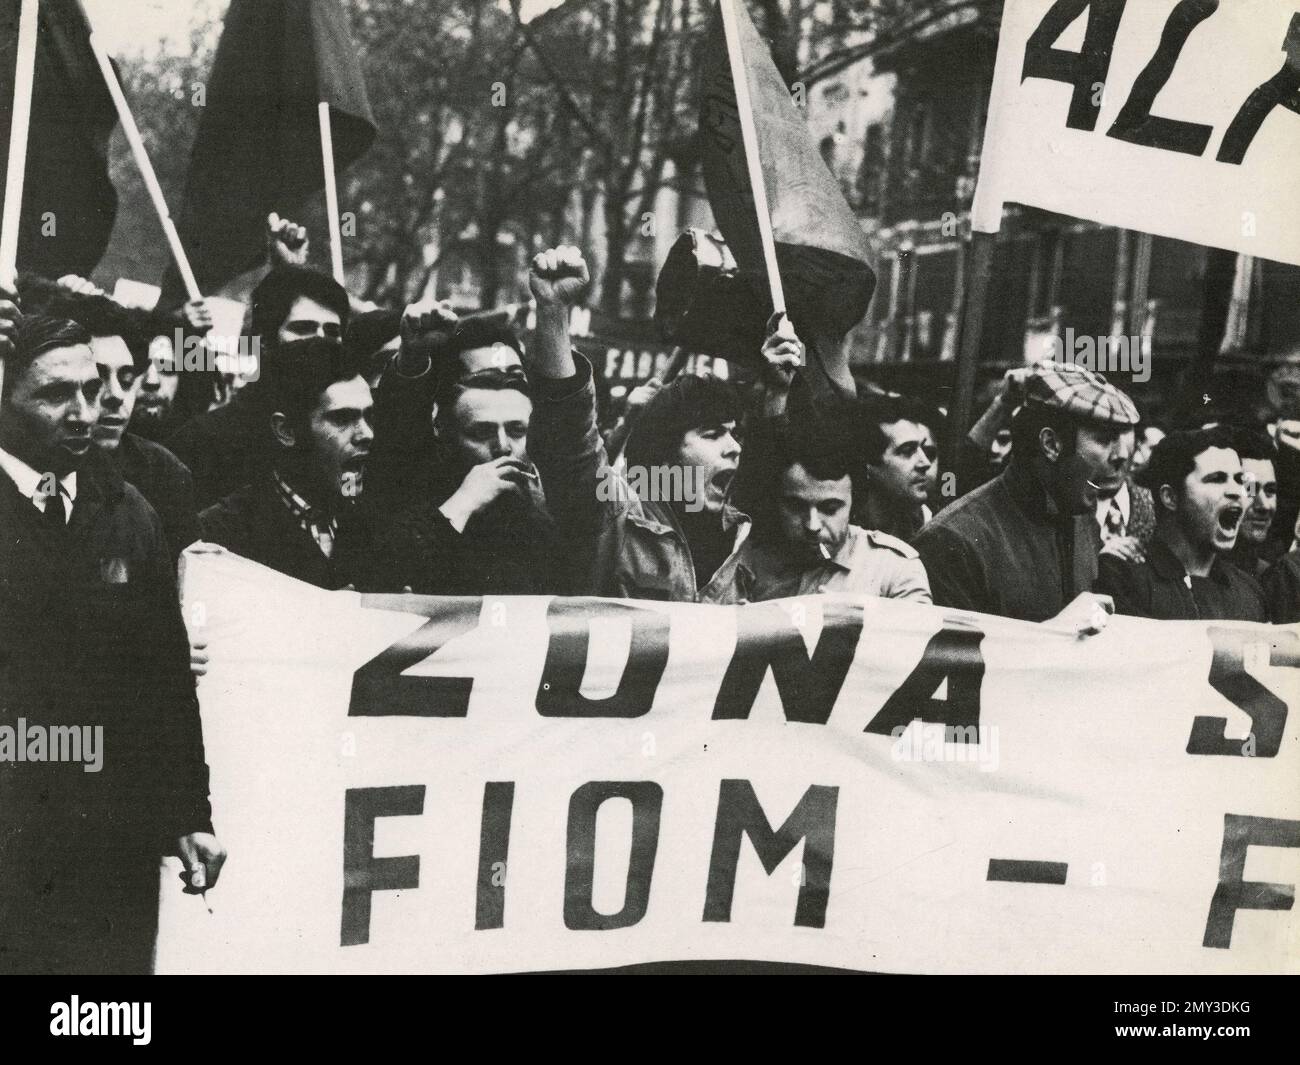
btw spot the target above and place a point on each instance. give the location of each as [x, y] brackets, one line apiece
[1082, 393]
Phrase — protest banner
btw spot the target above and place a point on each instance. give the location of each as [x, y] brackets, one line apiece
[408, 784]
[1173, 118]
[1177, 118]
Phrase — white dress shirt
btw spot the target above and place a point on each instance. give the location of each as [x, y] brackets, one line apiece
[31, 485]
[1121, 500]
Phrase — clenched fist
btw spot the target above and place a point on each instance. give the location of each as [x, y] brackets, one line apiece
[286, 242]
[559, 276]
[428, 316]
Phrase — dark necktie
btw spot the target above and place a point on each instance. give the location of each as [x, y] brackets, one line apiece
[56, 516]
[1114, 522]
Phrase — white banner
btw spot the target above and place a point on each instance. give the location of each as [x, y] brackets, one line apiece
[408, 784]
[1175, 118]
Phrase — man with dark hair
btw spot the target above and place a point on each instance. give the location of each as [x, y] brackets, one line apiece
[222, 447]
[91, 642]
[481, 527]
[801, 473]
[119, 339]
[1024, 545]
[171, 395]
[299, 516]
[1197, 481]
[900, 454]
[663, 528]
[1251, 554]
[438, 351]
[298, 303]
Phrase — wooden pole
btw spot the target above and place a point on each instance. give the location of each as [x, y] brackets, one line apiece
[145, 167]
[24, 75]
[978, 273]
[331, 191]
[749, 137]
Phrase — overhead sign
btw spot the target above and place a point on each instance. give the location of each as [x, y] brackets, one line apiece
[1174, 117]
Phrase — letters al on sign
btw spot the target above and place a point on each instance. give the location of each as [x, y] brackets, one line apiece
[1174, 117]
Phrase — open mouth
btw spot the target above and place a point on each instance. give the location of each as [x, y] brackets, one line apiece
[1230, 518]
[722, 480]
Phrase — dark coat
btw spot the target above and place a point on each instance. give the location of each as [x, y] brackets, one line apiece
[1160, 588]
[1005, 549]
[507, 549]
[255, 524]
[1282, 589]
[166, 485]
[91, 634]
[613, 543]
[225, 448]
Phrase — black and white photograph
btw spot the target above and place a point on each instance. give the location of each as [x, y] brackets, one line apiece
[651, 487]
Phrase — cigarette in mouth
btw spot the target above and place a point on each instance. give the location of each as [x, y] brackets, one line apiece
[825, 553]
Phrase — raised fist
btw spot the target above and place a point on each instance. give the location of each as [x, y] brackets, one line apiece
[286, 242]
[559, 276]
[428, 316]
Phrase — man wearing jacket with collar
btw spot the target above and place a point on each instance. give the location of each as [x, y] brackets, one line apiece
[1024, 545]
[1198, 484]
[91, 638]
[300, 515]
[801, 473]
[623, 545]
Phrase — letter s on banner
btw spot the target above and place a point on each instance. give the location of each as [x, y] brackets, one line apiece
[1229, 678]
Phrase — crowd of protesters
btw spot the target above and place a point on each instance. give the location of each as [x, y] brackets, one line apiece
[417, 451]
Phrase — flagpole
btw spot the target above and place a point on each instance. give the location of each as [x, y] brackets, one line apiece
[145, 167]
[24, 76]
[985, 223]
[749, 136]
[978, 274]
[331, 191]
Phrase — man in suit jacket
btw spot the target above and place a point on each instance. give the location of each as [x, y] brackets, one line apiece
[92, 644]
[300, 516]
[225, 448]
[120, 340]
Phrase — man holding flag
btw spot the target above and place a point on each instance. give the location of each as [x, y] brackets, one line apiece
[785, 219]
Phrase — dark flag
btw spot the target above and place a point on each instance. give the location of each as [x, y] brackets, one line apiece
[823, 254]
[69, 203]
[258, 148]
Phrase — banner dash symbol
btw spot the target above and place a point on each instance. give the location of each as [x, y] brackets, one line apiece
[1017, 872]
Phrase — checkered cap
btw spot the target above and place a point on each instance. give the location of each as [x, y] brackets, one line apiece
[1080, 392]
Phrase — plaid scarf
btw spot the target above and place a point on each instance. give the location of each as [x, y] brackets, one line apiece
[322, 527]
